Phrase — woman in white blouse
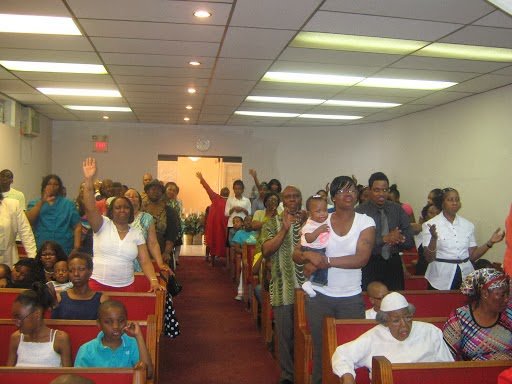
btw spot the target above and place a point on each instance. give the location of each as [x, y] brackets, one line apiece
[13, 221]
[116, 243]
[237, 205]
[449, 244]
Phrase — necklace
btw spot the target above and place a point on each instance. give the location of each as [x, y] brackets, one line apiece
[122, 230]
[48, 272]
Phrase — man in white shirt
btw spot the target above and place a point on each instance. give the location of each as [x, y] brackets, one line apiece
[6, 179]
[397, 337]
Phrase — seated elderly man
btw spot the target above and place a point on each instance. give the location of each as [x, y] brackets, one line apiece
[397, 337]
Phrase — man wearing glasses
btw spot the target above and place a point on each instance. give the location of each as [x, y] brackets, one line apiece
[393, 234]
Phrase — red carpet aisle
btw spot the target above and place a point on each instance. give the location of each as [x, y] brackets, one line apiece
[219, 343]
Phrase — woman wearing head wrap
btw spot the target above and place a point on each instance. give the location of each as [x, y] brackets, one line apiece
[482, 329]
[398, 337]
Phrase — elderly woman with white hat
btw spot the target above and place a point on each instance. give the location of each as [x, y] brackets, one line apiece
[397, 337]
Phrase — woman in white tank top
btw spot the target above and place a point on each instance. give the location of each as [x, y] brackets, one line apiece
[34, 344]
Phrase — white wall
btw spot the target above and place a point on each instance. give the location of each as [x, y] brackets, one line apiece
[465, 145]
[29, 158]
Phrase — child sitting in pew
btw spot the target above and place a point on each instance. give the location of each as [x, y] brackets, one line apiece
[120, 344]
[25, 273]
[34, 344]
[60, 280]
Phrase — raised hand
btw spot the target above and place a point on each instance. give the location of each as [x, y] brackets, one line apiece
[497, 236]
[432, 230]
[132, 329]
[89, 167]
[199, 175]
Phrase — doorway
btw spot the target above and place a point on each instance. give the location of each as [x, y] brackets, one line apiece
[218, 172]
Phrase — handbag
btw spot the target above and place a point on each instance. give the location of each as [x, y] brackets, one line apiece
[173, 286]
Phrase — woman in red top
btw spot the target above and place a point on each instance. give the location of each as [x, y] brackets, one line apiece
[216, 222]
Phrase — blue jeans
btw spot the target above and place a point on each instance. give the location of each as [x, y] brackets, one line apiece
[319, 277]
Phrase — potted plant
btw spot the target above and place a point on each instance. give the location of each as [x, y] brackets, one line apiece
[193, 228]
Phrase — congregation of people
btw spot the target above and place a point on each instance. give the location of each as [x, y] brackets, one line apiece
[347, 242]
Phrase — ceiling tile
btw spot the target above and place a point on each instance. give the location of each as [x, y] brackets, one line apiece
[158, 47]
[496, 19]
[253, 43]
[439, 98]
[30, 98]
[33, 41]
[453, 11]
[483, 83]
[248, 69]
[15, 86]
[423, 74]
[158, 80]
[452, 65]
[71, 78]
[392, 27]
[161, 88]
[137, 70]
[158, 61]
[34, 7]
[507, 71]
[273, 14]
[153, 31]
[150, 10]
[326, 69]
[231, 87]
[5, 74]
[360, 59]
[213, 99]
[486, 36]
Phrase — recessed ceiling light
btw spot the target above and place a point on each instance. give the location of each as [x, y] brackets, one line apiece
[35, 66]
[188, 107]
[186, 118]
[404, 83]
[266, 114]
[38, 24]
[194, 63]
[80, 92]
[466, 52]
[191, 90]
[329, 117]
[284, 100]
[106, 117]
[201, 13]
[356, 43]
[97, 108]
[363, 104]
[311, 78]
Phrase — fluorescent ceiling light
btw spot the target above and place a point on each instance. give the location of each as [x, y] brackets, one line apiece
[356, 43]
[194, 63]
[39, 66]
[188, 107]
[191, 90]
[364, 104]
[194, 159]
[80, 92]
[266, 114]
[186, 118]
[329, 117]
[466, 52]
[404, 83]
[504, 5]
[38, 24]
[97, 108]
[284, 100]
[311, 78]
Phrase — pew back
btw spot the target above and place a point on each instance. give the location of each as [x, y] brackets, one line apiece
[79, 331]
[337, 332]
[467, 372]
[139, 305]
[98, 375]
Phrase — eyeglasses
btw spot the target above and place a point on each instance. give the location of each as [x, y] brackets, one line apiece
[344, 191]
[48, 254]
[19, 321]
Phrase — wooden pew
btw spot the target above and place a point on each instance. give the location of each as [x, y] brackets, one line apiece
[467, 372]
[338, 332]
[428, 304]
[80, 332]
[415, 283]
[98, 375]
[138, 305]
[248, 251]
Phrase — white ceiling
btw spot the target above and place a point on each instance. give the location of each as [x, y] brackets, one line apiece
[146, 46]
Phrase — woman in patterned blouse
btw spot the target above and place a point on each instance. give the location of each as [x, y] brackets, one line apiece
[482, 329]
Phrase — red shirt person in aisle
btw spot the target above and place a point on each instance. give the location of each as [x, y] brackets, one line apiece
[216, 222]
